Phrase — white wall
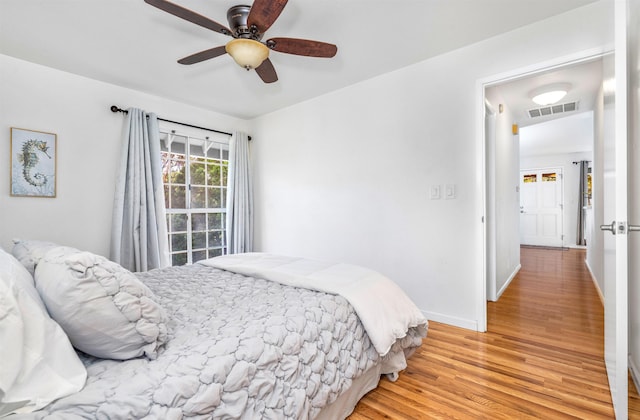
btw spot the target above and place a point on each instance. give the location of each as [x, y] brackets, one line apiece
[346, 176]
[89, 135]
[571, 178]
[634, 187]
[505, 195]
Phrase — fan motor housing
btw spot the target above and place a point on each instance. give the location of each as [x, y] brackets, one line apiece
[237, 18]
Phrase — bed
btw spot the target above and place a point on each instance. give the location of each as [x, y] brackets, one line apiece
[237, 337]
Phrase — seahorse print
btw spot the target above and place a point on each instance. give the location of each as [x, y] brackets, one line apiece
[29, 159]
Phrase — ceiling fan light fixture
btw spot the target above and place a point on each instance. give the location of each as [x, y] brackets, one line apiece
[248, 53]
[549, 94]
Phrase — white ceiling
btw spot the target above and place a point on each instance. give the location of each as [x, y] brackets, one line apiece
[557, 133]
[572, 134]
[132, 44]
[585, 80]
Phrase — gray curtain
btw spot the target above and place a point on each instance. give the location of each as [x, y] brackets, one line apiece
[582, 202]
[239, 196]
[139, 233]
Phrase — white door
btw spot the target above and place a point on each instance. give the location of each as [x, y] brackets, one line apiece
[615, 216]
[541, 207]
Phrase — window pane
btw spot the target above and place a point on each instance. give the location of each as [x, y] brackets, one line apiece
[179, 259]
[166, 197]
[179, 242]
[215, 252]
[173, 170]
[164, 141]
[213, 172]
[178, 223]
[214, 201]
[198, 200]
[225, 170]
[199, 255]
[215, 220]
[213, 153]
[178, 197]
[215, 238]
[199, 240]
[198, 222]
[223, 192]
[195, 148]
[198, 174]
[178, 144]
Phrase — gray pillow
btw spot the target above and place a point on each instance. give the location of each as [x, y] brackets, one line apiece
[29, 252]
[104, 309]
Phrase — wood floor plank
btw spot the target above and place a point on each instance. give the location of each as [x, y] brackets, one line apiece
[542, 356]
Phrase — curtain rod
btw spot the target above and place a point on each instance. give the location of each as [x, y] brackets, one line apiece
[124, 111]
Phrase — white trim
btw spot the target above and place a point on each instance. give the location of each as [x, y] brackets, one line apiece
[595, 282]
[468, 324]
[481, 281]
[635, 375]
[508, 282]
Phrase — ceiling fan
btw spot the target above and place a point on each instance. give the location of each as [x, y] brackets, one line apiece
[247, 25]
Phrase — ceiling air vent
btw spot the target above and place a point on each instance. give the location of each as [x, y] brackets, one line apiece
[553, 109]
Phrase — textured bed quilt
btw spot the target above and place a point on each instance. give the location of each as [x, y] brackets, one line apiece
[238, 347]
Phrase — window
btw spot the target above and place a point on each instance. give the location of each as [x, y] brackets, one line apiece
[194, 172]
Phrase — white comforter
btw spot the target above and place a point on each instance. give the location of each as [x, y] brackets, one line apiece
[384, 309]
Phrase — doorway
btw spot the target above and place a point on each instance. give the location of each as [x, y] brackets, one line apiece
[545, 212]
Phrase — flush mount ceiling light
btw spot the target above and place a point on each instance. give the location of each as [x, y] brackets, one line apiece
[247, 52]
[549, 94]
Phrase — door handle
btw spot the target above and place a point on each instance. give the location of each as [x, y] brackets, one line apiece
[611, 228]
[633, 228]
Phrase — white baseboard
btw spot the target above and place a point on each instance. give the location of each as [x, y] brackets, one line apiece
[595, 282]
[508, 282]
[635, 374]
[469, 324]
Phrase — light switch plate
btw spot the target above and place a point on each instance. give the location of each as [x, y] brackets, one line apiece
[450, 191]
[434, 192]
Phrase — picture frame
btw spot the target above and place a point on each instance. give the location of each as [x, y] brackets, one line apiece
[33, 163]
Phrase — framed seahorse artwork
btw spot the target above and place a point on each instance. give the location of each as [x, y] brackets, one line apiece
[33, 163]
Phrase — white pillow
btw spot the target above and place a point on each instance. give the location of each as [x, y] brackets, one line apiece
[104, 309]
[30, 252]
[37, 363]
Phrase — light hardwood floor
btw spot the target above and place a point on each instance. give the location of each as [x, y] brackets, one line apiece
[542, 356]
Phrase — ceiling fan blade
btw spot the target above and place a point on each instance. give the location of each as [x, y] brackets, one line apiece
[267, 72]
[203, 55]
[264, 12]
[189, 15]
[302, 47]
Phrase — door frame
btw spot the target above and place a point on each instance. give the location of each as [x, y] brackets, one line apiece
[481, 158]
